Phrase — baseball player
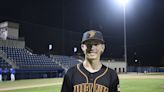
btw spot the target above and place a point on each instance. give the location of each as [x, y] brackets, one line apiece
[91, 75]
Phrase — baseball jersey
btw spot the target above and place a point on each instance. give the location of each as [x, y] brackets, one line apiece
[78, 79]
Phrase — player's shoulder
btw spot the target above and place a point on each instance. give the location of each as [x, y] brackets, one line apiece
[72, 69]
[110, 71]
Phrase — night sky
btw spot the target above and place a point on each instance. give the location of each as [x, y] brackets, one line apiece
[62, 22]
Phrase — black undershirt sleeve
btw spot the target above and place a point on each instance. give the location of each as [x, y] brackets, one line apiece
[115, 83]
[66, 86]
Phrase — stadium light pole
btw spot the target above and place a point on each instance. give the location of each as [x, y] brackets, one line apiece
[123, 3]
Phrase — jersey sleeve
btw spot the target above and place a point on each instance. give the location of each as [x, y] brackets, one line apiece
[66, 86]
[115, 86]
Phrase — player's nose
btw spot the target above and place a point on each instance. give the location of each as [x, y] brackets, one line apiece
[91, 47]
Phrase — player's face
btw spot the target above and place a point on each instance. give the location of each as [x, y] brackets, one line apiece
[93, 49]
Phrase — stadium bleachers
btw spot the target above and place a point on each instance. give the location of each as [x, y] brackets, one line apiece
[26, 60]
[65, 61]
[14, 55]
[29, 65]
[4, 64]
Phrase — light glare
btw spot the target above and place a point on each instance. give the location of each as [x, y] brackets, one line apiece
[123, 2]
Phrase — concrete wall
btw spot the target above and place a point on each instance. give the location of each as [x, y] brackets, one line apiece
[13, 33]
[12, 43]
[118, 66]
[12, 28]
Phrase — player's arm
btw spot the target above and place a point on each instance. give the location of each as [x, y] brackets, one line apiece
[115, 86]
[66, 86]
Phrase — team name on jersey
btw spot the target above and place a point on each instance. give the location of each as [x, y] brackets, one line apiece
[90, 87]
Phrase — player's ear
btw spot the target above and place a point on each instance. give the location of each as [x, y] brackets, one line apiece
[82, 47]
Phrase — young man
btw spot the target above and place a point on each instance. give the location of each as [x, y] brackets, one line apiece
[91, 75]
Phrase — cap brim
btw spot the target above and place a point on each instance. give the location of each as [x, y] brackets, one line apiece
[101, 41]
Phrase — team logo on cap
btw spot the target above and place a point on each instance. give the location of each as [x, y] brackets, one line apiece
[91, 34]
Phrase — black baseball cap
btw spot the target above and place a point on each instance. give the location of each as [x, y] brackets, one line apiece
[92, 35]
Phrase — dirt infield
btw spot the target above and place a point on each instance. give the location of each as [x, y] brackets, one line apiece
[140, 76]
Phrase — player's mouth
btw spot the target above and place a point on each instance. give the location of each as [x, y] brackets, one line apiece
[92, 53]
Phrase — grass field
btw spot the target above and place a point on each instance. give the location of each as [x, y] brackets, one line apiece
[128, 83]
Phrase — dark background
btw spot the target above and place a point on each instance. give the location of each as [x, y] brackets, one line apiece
[62, 22]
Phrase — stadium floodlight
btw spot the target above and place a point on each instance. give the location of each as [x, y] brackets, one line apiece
[124, 3]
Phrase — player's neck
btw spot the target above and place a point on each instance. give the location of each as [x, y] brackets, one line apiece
[92, 66]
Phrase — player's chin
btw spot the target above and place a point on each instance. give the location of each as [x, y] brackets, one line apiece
[92, 57]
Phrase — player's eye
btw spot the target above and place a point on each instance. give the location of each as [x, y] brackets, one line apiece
[96, 44]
